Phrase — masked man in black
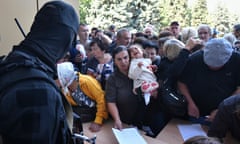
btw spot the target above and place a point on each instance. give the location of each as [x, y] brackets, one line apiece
[32, 109]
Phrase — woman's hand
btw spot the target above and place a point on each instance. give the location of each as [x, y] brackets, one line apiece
[212, 115]
[73, 86]
[78, 58]
[118, 124]
[191, 43]
[94, 127]
[193, 110]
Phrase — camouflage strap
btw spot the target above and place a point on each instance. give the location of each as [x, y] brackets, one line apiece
[1, 141]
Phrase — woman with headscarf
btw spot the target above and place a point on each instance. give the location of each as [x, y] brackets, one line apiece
[84, 93]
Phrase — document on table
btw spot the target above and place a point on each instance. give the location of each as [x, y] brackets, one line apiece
[190, 130]
[128, 136]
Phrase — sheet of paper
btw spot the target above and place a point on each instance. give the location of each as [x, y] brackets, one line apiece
[190, 130]
[128, 136]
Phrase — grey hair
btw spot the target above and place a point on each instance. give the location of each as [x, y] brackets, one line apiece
[205, 26]
[121, 31]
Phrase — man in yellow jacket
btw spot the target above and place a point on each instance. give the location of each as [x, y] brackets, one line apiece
[83, 91]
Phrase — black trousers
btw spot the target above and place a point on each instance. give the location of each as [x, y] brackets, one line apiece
[150, 115]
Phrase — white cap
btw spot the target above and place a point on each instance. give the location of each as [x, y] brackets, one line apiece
[217, 52]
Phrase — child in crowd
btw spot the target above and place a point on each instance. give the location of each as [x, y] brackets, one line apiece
[142, 73]
[151, 50]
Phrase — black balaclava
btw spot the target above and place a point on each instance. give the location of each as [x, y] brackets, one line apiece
[52, 33]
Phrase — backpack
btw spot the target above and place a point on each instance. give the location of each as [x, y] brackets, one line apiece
[37, 71]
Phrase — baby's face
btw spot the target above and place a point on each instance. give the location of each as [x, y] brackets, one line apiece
[136, 52]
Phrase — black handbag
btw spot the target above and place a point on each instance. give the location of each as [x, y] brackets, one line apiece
[174, 102]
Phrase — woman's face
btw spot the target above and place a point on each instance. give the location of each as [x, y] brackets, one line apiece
[97, 52]
[122, 61]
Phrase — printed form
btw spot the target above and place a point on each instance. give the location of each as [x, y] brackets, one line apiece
[189, 130]
[128, 136]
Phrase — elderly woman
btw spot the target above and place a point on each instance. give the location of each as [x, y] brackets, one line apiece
[175, 57]
[84, 92]
[123, 105]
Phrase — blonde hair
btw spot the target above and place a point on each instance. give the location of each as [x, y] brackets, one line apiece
[172, 48]
[203, 140]
[230, 38]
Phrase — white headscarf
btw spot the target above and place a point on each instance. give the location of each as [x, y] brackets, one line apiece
[66, 75]
[81, 49]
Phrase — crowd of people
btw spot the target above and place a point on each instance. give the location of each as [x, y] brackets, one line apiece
[115, 74]
[132, 68]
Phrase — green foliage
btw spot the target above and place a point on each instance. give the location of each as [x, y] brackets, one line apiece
[84, 5]
[177, 11]
[136, 14]
[200, 13]
[164, 7]
[222, 19]
[133, 14]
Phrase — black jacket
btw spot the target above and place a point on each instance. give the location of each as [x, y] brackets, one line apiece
[32, 109]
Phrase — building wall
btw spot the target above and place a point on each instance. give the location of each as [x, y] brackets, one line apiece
[24, 11]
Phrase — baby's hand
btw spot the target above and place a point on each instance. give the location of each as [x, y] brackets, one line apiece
[140, 64]
[154, 68]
